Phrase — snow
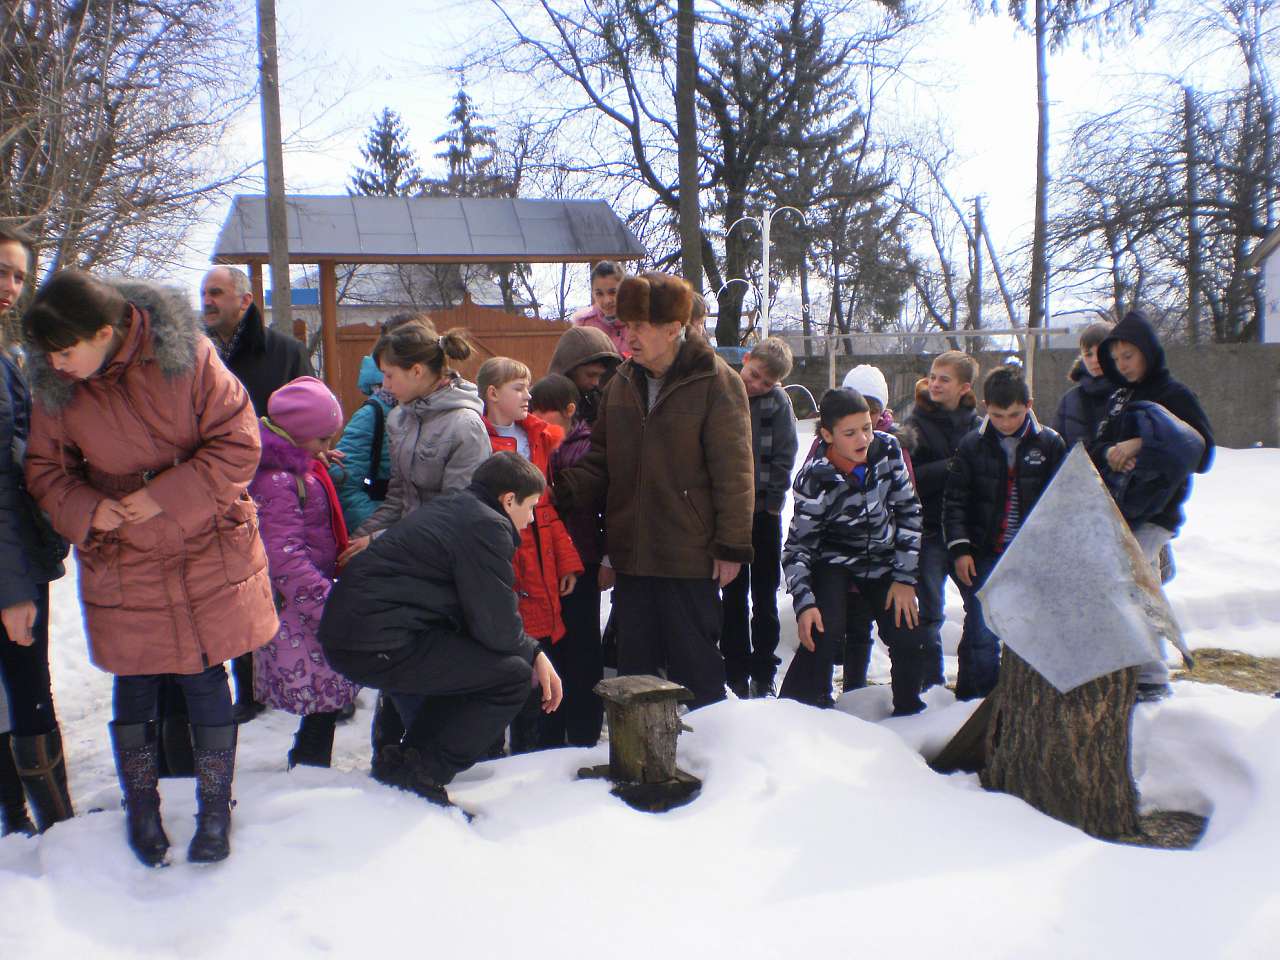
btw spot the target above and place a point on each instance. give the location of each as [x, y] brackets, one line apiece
[814, 830]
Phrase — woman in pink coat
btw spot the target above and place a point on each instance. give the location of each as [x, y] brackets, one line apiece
[142, 446]
[303, 529]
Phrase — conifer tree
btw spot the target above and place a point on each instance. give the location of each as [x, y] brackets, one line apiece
[391, 166]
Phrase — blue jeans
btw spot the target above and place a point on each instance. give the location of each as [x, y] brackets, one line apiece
[931, 585]
[979, 651]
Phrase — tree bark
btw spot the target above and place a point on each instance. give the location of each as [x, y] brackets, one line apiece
[1068, 755]
[687, 147]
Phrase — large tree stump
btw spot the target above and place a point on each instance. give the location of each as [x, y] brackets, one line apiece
[644, 724]
[1068, 755]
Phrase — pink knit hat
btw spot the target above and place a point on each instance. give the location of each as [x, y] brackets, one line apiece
[305, 409]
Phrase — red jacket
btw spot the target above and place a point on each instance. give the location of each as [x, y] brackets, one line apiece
[546, 553]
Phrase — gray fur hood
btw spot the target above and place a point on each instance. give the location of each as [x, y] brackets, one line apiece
[175, 332]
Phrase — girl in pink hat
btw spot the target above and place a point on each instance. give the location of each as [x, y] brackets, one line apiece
[304, 533]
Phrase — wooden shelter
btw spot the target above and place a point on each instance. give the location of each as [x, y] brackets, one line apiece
[329, 230]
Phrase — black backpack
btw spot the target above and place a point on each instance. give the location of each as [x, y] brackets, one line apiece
[374, 487]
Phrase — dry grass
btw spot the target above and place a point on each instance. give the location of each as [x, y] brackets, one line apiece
[1236, 670]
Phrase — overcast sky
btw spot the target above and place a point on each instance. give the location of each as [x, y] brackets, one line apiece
[977, 75]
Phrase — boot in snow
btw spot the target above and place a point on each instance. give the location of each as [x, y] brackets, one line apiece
[44, 774]
[313, 743]
[387, 728]
[137, 750]
[13, 799]
[215, 751]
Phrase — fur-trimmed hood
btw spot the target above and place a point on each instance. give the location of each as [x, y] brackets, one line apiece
[171, 330]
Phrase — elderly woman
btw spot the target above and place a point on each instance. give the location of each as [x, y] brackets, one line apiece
[670, 462]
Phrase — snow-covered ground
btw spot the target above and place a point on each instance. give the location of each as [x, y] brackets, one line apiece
[814, 831]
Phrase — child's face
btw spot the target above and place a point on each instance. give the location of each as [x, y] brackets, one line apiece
[1089, 355]
[604, 295]
[520, 511]
[317, 446]
[508, 403]
[851, 436]
[587, 377]
[85, 357]
[557, 418]
[1129, 361]
[1008, 420]
[756, 377]
[406, 384]
[945, 386]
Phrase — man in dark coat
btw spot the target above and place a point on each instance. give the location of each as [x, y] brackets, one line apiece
[428, 614]
[671, 464]
[263, 360]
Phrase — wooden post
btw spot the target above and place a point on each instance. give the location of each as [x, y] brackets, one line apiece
[329, 322]
[255, 282]
[643, 727]
[273, 161]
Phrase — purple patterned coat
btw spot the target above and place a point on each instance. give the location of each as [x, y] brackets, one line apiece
[290, 672]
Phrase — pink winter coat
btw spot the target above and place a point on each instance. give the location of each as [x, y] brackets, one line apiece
[592, 317]
[290, 671]
[188, 588]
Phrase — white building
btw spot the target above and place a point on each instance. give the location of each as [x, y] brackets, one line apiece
[1266, 257]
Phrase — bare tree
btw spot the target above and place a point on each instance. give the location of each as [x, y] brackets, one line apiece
[111, 113]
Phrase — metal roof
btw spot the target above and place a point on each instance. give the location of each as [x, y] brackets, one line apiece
[430, 230]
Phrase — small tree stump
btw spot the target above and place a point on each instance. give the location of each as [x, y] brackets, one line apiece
[643, 728]
[1068, 755]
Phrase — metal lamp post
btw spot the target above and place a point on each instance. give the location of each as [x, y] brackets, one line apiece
[764, 223]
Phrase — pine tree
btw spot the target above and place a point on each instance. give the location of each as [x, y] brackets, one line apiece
[392, 167]
[469, 154]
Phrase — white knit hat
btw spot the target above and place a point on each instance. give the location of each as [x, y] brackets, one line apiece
[869, 382]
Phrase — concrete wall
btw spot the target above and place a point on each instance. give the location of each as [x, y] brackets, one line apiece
[1237, 383]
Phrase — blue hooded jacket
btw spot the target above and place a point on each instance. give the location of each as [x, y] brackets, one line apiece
[1171, 451]
[1157, 386]
[357, 438]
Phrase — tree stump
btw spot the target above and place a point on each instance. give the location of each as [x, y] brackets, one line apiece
[643, 727]
[1068, 755]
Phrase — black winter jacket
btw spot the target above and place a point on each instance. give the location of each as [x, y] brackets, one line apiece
[30, 552]
[1083, 406]
[932, 435]
[977, 484]
[264, 360]
[1156, 386]
[445, 566]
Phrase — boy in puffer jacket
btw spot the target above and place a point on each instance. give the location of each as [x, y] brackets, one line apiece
[996, 478]
[546, 565]
[857, 522]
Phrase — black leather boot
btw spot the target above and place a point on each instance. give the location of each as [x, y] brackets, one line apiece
[313, 743]
[387, 728]
[137, 750]
[215, 751]
[44, 775]
[13, 799]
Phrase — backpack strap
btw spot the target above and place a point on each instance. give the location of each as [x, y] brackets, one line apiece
[375, 447]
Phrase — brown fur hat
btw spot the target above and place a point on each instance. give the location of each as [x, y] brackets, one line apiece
[655, 297]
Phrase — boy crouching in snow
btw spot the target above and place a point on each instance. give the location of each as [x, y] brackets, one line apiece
[996, 477]
[857, 522]
[428, 614]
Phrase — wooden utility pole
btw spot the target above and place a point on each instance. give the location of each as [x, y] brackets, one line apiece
[1194, 273]
[1040, 235]
[273, 160]
[687, 147]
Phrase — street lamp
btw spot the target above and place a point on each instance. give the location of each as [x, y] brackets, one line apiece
[750, 286]
[764, 223]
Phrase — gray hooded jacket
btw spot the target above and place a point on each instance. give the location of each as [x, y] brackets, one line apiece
[437, 441]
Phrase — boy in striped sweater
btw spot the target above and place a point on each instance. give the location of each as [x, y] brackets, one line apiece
[857, 522]
[996, 477]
